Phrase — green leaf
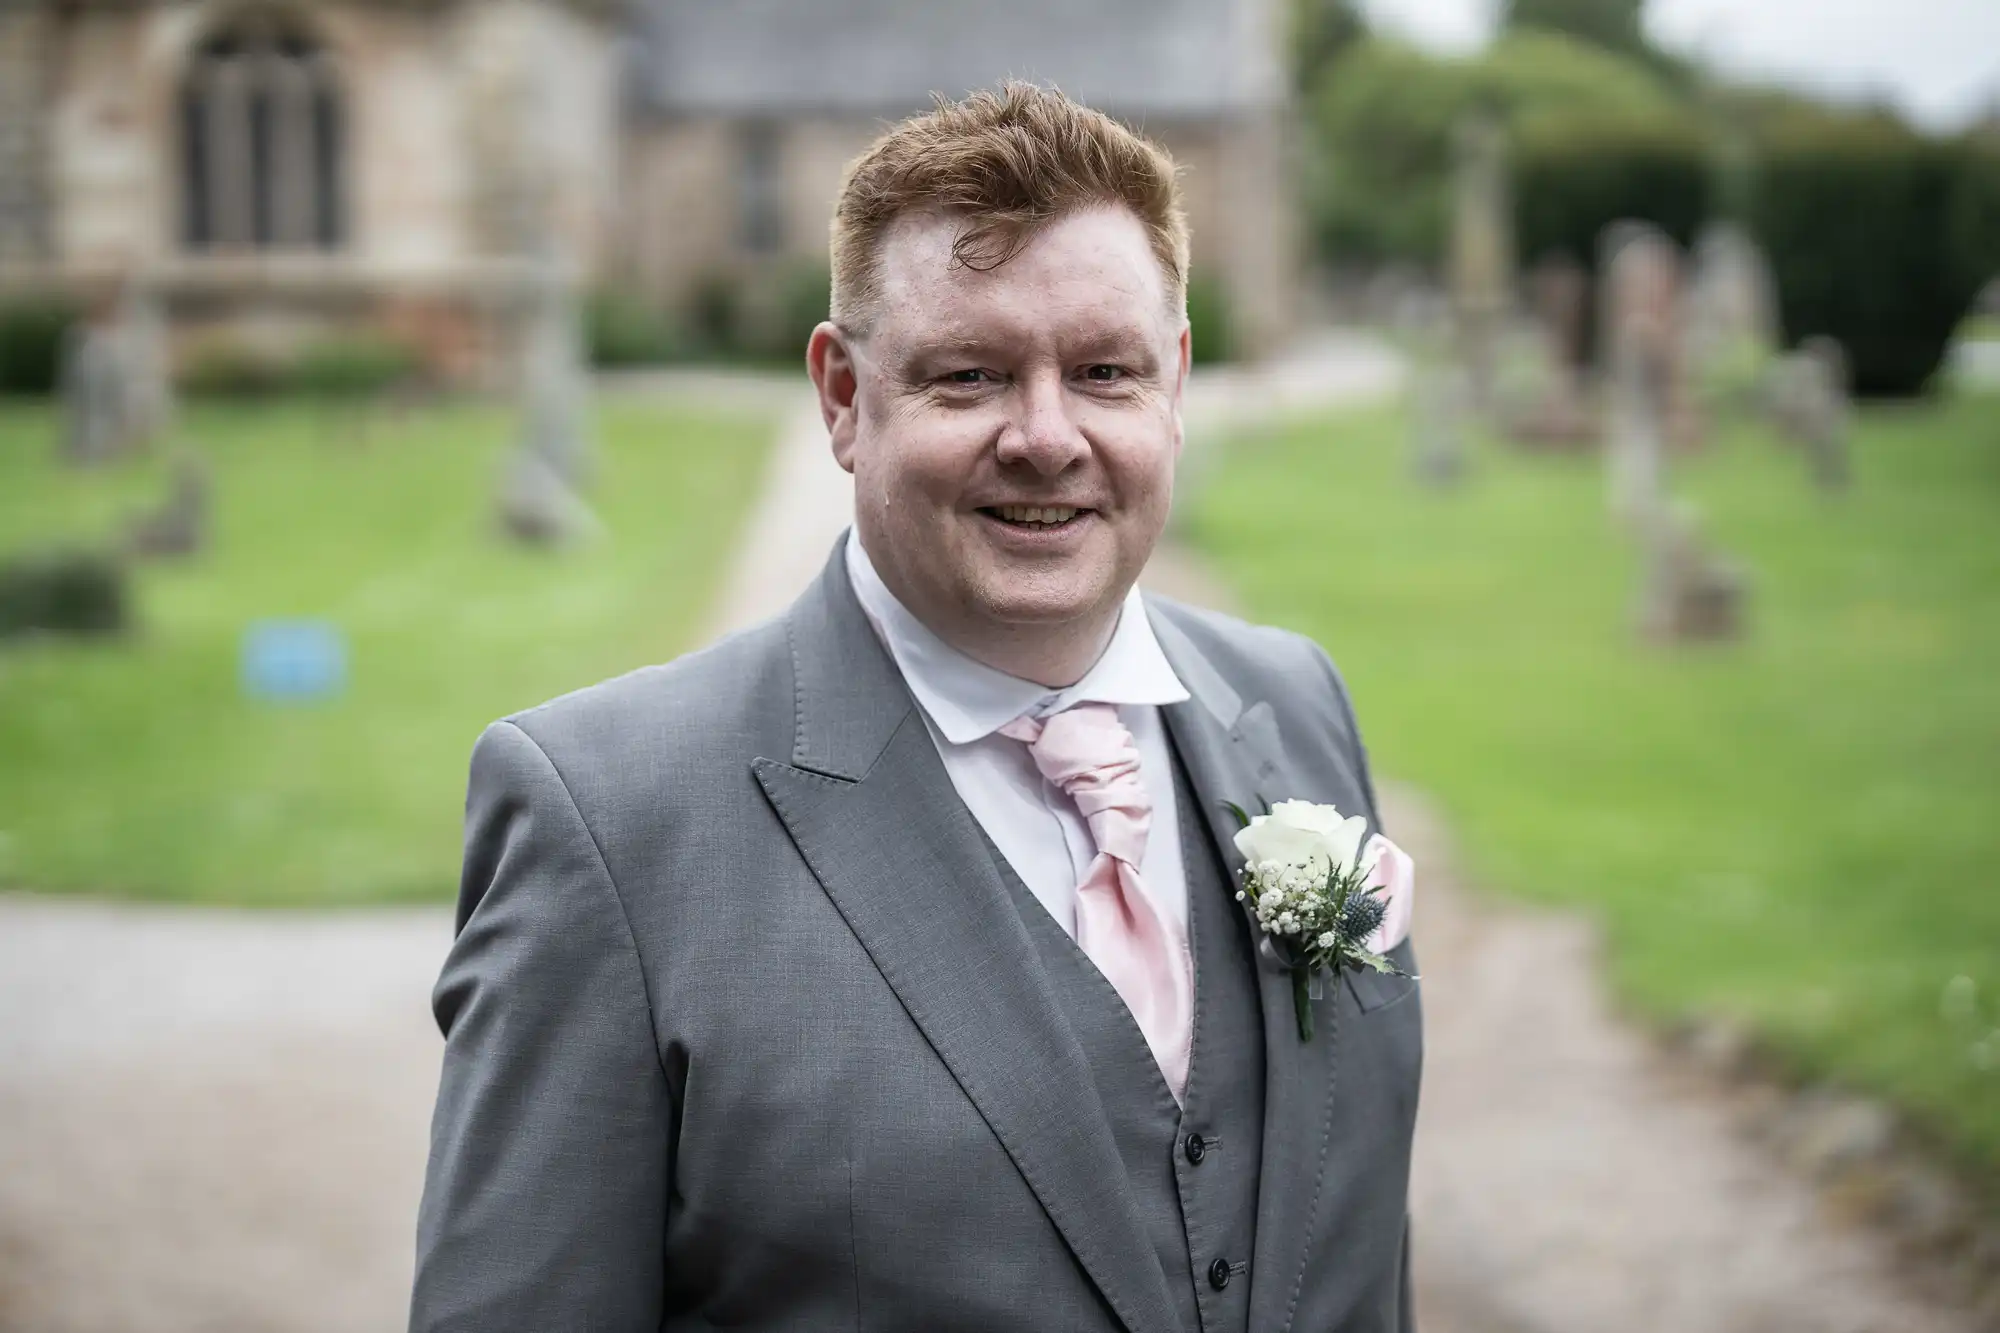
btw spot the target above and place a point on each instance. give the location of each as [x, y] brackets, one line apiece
[1360, 957]
[1242, 820]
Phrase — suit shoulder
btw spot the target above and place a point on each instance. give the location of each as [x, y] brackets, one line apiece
[706, 695]
[1241, 646]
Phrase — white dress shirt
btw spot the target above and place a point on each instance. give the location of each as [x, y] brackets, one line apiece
[1033, 822]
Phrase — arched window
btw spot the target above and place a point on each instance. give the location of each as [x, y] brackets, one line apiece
[263, 138]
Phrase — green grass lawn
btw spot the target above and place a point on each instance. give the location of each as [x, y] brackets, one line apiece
[138, 767]
[1800, 830]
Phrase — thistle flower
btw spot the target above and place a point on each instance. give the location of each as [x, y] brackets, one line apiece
[1362, 914]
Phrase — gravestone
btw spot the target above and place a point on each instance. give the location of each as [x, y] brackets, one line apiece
[1440, 396]
[76, 592]
[179, 525]
[94, 400]
[1636, 329]
[1732, 315]
[146, 380]
[540, 500]
[1808, 397]
[540, 508]
[1482, 250]
[1557, 412]
[1688, 593]
[1651, 404]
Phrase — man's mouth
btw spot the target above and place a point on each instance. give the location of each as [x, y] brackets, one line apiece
[1034, 516]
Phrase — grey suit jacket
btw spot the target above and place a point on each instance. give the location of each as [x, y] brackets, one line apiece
[742, 1029]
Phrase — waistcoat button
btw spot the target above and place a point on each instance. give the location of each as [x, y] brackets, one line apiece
[1218, 1274]
[1196, 1148]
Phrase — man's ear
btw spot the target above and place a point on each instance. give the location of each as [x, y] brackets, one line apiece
[1184, 348]
[835, 375]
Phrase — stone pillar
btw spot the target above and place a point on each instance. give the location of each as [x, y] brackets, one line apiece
[147, 380]
[1636, 326]
[1482, 251]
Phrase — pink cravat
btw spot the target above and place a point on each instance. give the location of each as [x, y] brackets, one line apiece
[1088, 753]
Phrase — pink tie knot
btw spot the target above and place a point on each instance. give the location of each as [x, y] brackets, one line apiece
[1087, 753]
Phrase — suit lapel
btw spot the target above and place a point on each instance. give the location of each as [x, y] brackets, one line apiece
[1233, 753]
[869, 805]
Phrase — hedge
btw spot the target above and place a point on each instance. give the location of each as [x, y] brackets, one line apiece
[336, 366]
[1573, 178]
[1878, 237]
[31, 344]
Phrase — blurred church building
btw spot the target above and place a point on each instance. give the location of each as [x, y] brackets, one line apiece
[274, 170]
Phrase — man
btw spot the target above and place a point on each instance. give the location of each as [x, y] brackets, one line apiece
[881, 967]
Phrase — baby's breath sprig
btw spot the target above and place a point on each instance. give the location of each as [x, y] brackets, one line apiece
[1318, 914]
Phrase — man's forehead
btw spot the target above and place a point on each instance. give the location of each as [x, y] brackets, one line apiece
[1097, 259]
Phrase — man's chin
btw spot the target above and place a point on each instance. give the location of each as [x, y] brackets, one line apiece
[1032, 603]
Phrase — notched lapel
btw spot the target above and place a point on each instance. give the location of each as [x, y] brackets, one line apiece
[871, 809]
[1234, 753]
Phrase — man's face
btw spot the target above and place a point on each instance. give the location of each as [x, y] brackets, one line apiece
[1012, 433]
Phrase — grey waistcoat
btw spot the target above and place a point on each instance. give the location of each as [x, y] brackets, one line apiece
[1199, 1202]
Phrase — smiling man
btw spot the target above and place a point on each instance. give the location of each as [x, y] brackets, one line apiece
[883, 967]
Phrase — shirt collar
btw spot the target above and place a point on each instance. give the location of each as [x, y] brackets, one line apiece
[967, 700]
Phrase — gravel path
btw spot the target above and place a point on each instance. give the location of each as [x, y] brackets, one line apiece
[1570, 1179]
[215, 1121]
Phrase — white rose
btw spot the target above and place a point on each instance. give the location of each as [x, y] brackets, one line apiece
[1300, 833]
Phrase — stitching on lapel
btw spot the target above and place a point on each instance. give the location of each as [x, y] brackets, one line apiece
[798, 690]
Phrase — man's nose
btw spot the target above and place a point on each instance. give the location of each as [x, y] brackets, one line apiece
[1041, 433]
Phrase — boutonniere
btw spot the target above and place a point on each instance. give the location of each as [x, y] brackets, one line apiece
[1306, 877]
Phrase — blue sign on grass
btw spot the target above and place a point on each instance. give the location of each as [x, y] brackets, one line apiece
[294, 661]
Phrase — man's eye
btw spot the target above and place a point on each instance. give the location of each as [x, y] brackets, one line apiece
[965, 377]
[1104, 374]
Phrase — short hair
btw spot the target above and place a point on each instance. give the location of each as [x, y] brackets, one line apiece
[1009, 162]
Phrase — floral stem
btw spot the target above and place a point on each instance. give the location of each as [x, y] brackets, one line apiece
[1302, 1002]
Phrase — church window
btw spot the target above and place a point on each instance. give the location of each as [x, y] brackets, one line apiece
[263, 138]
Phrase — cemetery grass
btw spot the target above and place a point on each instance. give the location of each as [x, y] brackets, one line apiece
[137, 767]
[1799, 832]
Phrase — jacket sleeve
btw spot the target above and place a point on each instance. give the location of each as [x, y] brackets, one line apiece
[545, 1201]
[1406, 1305]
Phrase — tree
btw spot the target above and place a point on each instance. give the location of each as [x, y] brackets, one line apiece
[1321, 31]
[1378, 183]
[1611, 24]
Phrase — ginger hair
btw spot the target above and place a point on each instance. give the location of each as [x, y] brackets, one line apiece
[1007, 162]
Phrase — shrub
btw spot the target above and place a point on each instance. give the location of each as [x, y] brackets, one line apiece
[62, 592]
[804, 295]
[338, 366]
[623, 330]
[1869, 228]
[715, 313]
[763, 316]
[1210, 334]
[222, 367]
[351, 365]
[1572, 178]
[1975, 215]
[31, 344]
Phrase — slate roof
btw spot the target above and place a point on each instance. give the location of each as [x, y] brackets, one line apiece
[1133, 58]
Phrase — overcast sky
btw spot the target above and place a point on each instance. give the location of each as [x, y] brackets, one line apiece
[1938, 59]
